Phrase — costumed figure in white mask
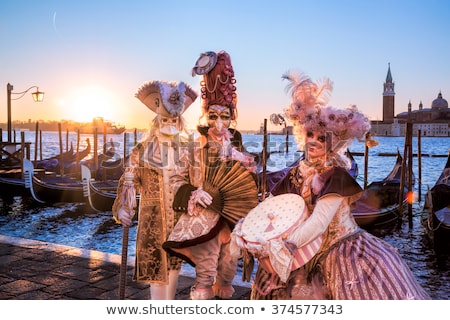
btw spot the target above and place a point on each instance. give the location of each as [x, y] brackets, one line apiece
[151, 164]
[350, 264]
[202, 234]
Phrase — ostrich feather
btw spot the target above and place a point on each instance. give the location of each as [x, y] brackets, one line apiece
[324, 89]
[297, 79]
[304, 90]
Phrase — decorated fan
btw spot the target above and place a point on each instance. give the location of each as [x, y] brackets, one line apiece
[232, 187]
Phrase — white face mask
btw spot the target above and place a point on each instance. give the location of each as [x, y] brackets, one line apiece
[169, 126]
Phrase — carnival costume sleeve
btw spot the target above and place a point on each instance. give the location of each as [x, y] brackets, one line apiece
[122, 200]
[337, 186]
[187, 177]
[318, 222]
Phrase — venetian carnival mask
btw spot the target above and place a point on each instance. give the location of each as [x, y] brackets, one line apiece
[169, 126]
[219, 118]
[316, 144]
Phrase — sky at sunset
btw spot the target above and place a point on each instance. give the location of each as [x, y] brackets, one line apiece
[90, 57]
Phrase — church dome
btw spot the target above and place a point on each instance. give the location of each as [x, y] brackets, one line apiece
[439, 103]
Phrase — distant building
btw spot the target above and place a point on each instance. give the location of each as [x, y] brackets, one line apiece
[432, 122]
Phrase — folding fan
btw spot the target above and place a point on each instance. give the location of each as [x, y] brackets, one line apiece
[232, 187]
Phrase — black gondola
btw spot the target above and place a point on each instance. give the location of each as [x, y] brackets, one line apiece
[379, 206]
[437, 211]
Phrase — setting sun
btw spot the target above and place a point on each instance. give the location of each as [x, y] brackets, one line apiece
[86, 103]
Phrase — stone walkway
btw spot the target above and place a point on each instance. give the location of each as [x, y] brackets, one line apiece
[35, 270]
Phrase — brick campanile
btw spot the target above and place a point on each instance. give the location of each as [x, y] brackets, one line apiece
[388, 98]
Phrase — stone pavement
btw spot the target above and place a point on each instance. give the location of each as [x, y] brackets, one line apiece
[35, 270]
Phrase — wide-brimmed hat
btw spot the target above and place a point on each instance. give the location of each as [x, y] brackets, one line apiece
[204, 63]
[169, 99]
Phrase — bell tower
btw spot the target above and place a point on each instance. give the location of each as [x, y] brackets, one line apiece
[388, 98]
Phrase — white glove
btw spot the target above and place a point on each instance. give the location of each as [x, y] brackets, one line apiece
[202, 197]
[199, 200]
[125, 217]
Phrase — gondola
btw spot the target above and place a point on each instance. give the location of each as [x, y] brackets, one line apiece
[53, 188]
[437, 211]
[68, 158]
[12, 179]
[379, 206]
[12, 182]
[99, 194]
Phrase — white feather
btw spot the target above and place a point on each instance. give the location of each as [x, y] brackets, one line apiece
[324, 89]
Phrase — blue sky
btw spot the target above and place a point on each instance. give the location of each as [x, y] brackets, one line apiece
[90, 57]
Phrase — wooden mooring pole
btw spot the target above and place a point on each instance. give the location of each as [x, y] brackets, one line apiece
[264, 163]
[77, 158]
[36, 142]
[410, 196]
[96, 153]
[61, 151]
[366, 160]
[419, 163]
[407, 156]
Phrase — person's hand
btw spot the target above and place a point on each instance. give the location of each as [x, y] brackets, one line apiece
[125, 217]
[203, 198]
[199, 200]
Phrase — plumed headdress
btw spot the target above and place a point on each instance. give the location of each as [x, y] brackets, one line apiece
[169, 99]
[309, 112]
[218, 84]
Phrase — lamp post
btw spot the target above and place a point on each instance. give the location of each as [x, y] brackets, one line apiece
[38, 96]
[278, 119]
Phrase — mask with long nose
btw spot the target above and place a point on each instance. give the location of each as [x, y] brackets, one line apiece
[219, 119]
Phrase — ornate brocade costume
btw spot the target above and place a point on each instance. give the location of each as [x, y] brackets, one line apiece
[156, 217]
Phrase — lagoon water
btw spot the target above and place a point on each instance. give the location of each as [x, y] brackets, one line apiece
[75, 225]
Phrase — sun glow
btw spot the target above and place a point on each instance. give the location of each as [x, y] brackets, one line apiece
[86, 103]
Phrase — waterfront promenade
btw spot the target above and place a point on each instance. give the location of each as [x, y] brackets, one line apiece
[36, 270]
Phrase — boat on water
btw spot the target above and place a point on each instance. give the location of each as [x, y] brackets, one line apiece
[99, 194]
[13, 181]
[53, 188]
[436, 212]
[101, 126]
[379, 206]
[68, 159]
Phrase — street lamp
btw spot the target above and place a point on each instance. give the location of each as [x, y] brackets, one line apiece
[38, 96]
[278, 119]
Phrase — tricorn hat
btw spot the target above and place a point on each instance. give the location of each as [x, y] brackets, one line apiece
[169, 99]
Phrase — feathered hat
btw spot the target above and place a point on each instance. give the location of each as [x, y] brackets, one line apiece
[218, 84]
[169, 99]
[309, 112]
